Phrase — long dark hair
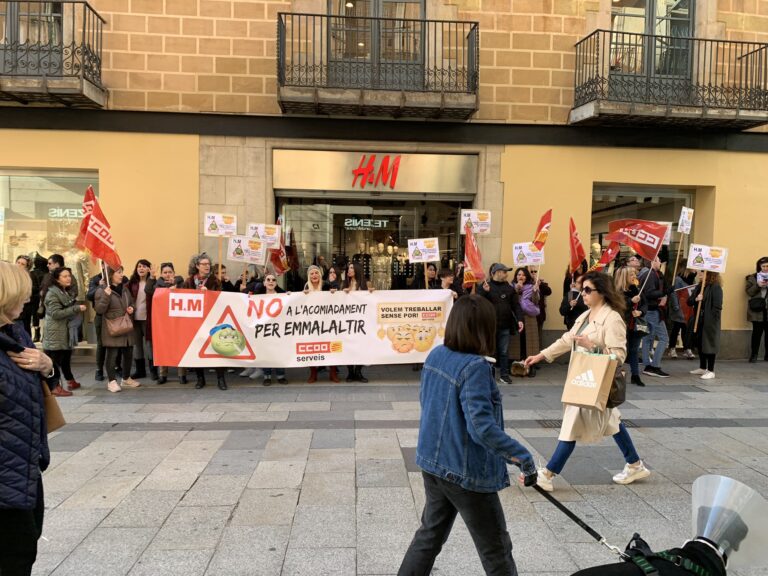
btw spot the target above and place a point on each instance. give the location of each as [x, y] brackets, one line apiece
[57, 273]
[604, 285]
[528, 277]
[359, 277]
[471, 326]
[135, 276]
[760, 262]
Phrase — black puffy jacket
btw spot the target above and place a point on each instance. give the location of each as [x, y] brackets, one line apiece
[504, 298]
[23, 432]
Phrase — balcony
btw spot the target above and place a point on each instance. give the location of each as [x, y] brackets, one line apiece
[357, 66]
[639, 79]
[50, 53]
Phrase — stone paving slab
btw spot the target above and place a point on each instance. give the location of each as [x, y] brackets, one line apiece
[321, 479]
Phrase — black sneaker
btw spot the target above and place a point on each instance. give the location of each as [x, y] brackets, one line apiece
[650, 371]
[99, 376]
[282, 380]
[636, 381]
[506, 379]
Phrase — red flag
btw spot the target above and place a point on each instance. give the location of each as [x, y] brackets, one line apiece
[542, 232]
[577, 250]
[473, 261]
[643, 236]
[278, 257]
[95, 236]
[608, 255]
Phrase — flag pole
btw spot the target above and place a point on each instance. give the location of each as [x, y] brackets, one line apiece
[698, 304]
[426, 278]
[677, 259]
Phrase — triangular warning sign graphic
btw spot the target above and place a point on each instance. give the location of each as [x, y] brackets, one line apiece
[207, 351]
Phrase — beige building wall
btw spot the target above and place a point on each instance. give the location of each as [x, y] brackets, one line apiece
[220, 55]
[148, 184]
[537, 178]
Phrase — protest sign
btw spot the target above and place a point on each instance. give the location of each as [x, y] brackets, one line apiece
[479, 221]
[248, 250]
[257, 251]
[216, 224]
[526, 254]
[707, 258]
[423, 250]
[686, 221]
[208, 328]
[269, 233]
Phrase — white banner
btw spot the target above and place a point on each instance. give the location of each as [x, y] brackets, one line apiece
[479, 221]
[525, 254]
[709, 258]
[686, 220]
[196, 329]
[423, 250]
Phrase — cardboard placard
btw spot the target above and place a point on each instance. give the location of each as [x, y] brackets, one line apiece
[216, 224]
[257, 251]
[236, 249]
[686, 220]
[269, 233]
[479, 221]
[707, 258]
[423, 250]
[244, 249]
[526, 254]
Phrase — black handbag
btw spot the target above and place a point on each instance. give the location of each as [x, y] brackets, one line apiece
[757, 304]
[618, 393]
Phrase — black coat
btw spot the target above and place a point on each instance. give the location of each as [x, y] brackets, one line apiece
[654, 289]
[707, 336]
[504, 298]
[694, 551]
[23, 432]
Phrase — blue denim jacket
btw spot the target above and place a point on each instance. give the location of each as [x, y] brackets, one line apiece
[461, 433]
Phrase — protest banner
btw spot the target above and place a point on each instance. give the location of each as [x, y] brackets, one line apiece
[668, 234]
[707, 258]
[248, 250]
[269, 233]
[473, 260]
[526, 254]
[215, 329]
[542, 230]
[478, 220]
[423, 250]
[686, 220]
[216, 224]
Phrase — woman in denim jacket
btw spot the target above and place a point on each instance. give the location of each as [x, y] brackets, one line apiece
[463, 449]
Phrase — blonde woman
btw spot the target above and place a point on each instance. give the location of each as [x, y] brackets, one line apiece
[315, 284]
[636, 307]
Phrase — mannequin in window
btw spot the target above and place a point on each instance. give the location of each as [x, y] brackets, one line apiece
[364, 259]
[382, 269]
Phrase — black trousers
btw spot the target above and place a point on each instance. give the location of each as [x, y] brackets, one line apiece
[484, 517]
[111, 360]
[101, 352]
[19, 532]
[759, 330]
[62, 364]
[677, 329]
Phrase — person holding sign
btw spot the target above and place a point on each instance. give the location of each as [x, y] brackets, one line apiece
[355, 280]
[707, 332]
[757, 307]
[656, 297]
[167, 279]
[509, 315]
[599, 328]
[434, 282]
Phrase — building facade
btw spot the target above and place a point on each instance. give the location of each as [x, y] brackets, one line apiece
[365, 123]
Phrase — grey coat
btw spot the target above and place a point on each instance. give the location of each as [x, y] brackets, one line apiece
[753, 291]
[113, 306]
[708, 333]
[60, 307]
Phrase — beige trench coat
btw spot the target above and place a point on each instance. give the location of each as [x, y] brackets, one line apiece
[609, 332]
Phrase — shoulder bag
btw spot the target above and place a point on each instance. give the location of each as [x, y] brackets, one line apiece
[121, 325]
[53, 416]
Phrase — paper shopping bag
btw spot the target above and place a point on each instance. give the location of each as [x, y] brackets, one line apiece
[53, 415]
[589, 379]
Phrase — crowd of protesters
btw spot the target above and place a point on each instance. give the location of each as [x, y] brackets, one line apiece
[657, 314]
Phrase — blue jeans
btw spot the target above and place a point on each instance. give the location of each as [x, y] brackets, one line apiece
[565, 449]
[633, 348]
[656, 329]
[502, 351]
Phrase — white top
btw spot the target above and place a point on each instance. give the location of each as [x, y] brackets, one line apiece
[141, 303]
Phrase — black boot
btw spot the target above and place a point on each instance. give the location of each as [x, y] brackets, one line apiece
[359, 375]
[200, 380]
[351, 373]
[99, 376]
[221, 382]
[101, 355]
[183, 379]
[636, 380]
[141, 369]
[153, 372]
[753, 359]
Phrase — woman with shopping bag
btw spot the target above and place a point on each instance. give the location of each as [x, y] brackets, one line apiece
[601, 329]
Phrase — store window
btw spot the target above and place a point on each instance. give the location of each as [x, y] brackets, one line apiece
[373, 233]
[40, 215]
[645, 203]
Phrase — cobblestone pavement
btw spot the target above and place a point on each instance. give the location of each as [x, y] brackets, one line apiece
[320, 479]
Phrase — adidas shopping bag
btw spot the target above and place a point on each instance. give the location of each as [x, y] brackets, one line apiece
[589, 379]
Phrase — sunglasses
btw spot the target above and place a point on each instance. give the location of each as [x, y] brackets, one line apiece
[587, 290]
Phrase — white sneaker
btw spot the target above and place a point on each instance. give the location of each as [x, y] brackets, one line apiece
[632, 473]
[672, 353]
[247, 372]
[130, 383]
[256, 374]
[543, 482]
[688, 354]
[707, 375]
[698, 372]
[113, 386]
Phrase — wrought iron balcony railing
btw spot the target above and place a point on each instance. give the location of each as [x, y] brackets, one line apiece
[51, 39]
[322, 51]
[671, 71]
